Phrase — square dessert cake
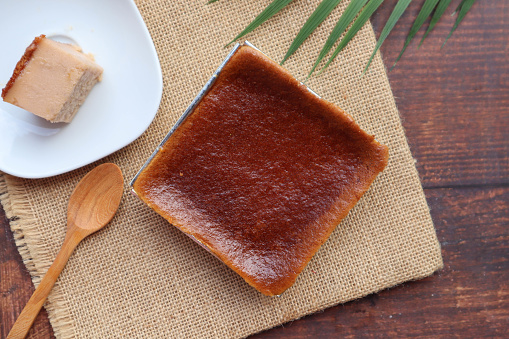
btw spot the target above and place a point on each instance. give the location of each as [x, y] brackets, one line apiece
[52, 80]
[261, 172]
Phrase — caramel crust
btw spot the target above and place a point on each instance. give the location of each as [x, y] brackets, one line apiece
[20, 66]
[261, 172]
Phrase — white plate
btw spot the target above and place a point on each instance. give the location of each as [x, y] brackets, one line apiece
[117, 111]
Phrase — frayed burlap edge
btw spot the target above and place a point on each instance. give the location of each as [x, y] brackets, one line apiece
[19, 213]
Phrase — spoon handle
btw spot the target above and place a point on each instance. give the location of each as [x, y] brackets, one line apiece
[34, 305]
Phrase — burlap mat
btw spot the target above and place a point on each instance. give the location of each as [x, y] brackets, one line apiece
[141, 277]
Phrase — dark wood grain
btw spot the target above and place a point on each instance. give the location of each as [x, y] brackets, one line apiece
[454, 103]
[469, 298]
[16, 286]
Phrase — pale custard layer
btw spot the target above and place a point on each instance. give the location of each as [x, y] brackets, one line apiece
[54, 81]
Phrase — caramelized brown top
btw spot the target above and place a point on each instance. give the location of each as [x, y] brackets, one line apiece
[20, 66]
[262, 171]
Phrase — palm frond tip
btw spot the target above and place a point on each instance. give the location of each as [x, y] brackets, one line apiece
[356, 14]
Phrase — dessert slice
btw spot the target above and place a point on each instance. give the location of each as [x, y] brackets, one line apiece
[261, 172]
[52, 80]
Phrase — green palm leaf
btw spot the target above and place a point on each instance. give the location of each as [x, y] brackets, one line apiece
[265, 15]
[368, 10]
[442, 6]
[398, 10]
[463, 7]
[321, 12]
[363, 9]
[346, 19]
[425, 12]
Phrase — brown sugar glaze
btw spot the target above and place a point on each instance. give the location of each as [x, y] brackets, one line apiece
[20, 66]
[262, 171]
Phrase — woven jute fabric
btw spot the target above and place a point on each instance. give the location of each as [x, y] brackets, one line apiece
[141, 277]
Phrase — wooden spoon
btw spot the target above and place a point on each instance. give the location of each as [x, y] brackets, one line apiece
[92, 205]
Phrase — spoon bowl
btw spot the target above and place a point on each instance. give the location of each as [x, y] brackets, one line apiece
[96, 198]
[92, 205]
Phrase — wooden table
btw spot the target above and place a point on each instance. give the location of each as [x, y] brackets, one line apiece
[454, 103]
